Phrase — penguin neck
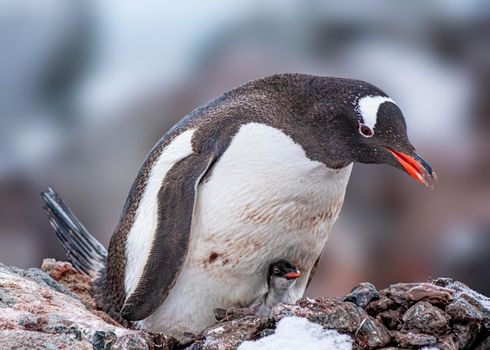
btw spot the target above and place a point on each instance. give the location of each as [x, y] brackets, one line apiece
[312, 112]
[277, 290]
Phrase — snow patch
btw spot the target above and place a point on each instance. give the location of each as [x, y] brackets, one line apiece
[293, 333]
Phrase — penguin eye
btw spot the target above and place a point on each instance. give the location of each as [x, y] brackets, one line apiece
[365, 130]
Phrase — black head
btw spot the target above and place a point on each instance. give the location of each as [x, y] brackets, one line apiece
[284, 269]
[360, 123]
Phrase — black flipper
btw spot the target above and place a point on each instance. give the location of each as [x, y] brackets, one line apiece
[176, 199]
[84, 252]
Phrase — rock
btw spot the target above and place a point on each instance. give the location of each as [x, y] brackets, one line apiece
[462, 310]
[448, 342]
[219, 313]
[408, 339]
[23, 340]
[430, 293]
[391, 318]
[266, 332]
[53, 307]
[331, 313]
[230, 334]
[382, 304]
[465, 334]
[372, 334]
[484, 345]
[345, 317]
[362, 294]
[399, 293]
[38, 312]
[426, 318]
[75, 282]
[463, 292]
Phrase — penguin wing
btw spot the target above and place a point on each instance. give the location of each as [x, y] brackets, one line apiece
[176, 199]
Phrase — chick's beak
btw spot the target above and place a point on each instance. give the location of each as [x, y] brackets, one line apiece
[416, 167]
[293, 275]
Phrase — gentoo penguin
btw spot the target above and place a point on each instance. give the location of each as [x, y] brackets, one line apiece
[256, 175]
[282, 277]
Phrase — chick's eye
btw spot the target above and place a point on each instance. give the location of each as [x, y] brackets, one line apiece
[365, 130]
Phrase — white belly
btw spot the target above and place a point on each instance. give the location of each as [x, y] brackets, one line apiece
[264, 200]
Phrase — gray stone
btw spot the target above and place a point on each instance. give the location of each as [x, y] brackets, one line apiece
[53, 308]
[426, 318]
[40, 313]
[408, 339]
[362, 294]
[345, 317]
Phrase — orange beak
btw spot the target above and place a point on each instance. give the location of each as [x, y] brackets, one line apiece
[416, 167]
[292, 275]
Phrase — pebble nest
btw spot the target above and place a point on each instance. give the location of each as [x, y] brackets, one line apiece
[52, 308]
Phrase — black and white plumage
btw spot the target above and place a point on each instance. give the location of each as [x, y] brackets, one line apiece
[256, 175]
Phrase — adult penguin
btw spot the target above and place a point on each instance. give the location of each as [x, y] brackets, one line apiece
[254, 176]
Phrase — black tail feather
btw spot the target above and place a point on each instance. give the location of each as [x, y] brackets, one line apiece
[84, 252]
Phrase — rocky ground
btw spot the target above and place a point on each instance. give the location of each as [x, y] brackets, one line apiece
[51, 308]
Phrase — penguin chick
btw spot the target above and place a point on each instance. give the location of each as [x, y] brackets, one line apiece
[281, 278]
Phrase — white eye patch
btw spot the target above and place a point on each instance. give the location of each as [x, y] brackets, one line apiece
[368, 107]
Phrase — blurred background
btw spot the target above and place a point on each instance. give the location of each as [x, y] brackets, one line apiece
[88, 87]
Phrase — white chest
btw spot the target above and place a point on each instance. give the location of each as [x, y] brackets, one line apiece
[264, 200]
